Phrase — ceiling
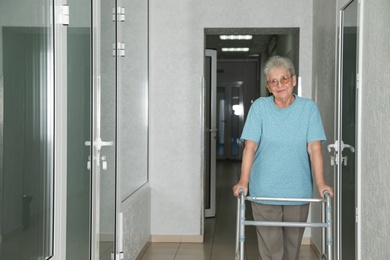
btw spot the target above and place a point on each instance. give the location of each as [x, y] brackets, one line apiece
[264, 40]
[258, 44]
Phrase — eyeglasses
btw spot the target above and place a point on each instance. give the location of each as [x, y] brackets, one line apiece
[283, 80]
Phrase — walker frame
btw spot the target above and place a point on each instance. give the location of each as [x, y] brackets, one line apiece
[325, 224]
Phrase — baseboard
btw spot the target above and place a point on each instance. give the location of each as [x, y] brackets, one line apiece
[316, 251]
[176, 239]
[143, 251]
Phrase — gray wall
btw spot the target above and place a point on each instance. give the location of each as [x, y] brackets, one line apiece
[136, 222]
[375, 128]
[323, 85]
[176, 67]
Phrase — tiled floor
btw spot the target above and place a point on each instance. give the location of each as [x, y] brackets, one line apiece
[220, 232]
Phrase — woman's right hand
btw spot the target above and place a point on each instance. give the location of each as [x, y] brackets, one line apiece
[240, 185]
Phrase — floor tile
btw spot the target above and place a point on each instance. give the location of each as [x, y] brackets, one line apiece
[149, 256]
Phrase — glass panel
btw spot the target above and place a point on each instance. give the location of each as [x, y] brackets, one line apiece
[79, 128]
[348, 130]
[104, 131]
[235, 121]
[133, 98]
[230, 120]
[221, 121]
[26, 130]
[207, 134]
[210, 128]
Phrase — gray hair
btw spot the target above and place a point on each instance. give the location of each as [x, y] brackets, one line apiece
[278, 61]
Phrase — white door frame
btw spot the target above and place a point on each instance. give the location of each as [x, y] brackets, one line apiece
[359, 129]
[60, 135]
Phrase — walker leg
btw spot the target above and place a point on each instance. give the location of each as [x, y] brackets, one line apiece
[242, 226]
[329, 229]
[240, 232]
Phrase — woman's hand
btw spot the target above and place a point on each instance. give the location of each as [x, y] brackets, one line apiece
[240, 185]
[324, 187]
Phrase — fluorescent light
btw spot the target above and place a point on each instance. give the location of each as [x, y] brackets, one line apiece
[235, 37]
[235, 49]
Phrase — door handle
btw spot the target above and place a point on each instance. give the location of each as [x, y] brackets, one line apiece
[99, 143]
[350, 147]
[335, 146]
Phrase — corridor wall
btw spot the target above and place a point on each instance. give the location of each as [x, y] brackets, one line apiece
[176, 68]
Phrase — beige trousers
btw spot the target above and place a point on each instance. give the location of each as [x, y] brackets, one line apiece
[279, 243]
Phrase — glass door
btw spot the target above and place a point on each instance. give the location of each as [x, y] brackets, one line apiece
[91, 130]
[347, 132]
[103, 145]
[211, 130]
[344, 157]
[78, 77]
[230, 118]
[26, 130]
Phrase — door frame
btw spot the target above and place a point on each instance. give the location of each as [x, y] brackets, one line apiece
[60, 136]
[359, 120]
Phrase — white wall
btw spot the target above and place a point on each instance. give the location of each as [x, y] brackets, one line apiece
[176, 67]
[375, 138]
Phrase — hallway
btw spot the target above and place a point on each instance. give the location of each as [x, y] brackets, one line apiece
[220, 232]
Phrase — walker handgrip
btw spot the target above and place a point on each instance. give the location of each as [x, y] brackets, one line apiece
[241, 191]
[326, 194]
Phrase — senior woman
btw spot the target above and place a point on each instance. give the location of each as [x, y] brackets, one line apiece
[283, 134]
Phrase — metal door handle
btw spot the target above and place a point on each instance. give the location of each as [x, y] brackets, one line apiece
[98, 143]
[336, 145]
[334, 159]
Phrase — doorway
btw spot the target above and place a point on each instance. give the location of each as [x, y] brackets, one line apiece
[239, 82]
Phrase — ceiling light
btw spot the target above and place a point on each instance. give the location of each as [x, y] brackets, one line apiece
[235, 37]
[235, 49]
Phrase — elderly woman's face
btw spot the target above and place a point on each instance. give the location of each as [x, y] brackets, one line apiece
[280, 83]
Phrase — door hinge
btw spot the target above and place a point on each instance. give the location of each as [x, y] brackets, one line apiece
[118, 14]
[63, 15]
[119, 49]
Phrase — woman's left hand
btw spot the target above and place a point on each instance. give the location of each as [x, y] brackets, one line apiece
[323, 188]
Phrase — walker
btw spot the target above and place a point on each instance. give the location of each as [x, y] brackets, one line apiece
[326, 222]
